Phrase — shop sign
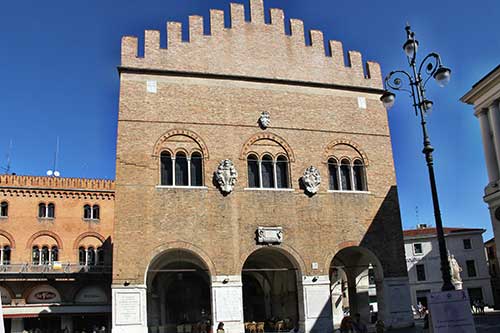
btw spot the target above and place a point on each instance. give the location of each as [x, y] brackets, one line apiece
[91, 294]
[44, 294]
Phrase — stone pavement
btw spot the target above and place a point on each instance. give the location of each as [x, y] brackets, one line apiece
[487, 323]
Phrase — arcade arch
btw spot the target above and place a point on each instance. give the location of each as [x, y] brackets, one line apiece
[178, 293]
[356, 276]
[271, 299]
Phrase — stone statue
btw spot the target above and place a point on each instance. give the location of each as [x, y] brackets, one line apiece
[226, 176]
[265, 120]
[311, 180]
[455, 270]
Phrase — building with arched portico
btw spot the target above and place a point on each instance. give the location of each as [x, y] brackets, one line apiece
[55, 253]
[255, 183]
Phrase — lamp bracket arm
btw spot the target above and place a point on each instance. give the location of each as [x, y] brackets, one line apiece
[430, 65]
[394, 80]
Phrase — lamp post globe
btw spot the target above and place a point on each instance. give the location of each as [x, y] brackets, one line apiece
[442, 76]
[388, 98]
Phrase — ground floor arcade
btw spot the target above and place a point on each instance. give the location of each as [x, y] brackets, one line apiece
[183, 294]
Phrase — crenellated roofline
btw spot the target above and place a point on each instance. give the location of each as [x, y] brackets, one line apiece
[253, 49]
[56, 183]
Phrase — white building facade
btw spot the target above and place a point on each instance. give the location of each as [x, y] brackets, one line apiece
[485, 97]
[424, 268]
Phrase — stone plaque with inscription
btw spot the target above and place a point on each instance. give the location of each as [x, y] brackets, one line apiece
[270, 235]
[228, 304]
[128, 309]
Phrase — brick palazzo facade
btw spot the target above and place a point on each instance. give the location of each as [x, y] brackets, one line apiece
[55, 252]
[255, 186]
[219, 216]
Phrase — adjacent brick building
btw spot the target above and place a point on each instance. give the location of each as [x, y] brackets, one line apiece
[184, 220]
[56, 250]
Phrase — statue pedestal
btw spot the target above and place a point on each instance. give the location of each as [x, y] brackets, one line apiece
[458, 285]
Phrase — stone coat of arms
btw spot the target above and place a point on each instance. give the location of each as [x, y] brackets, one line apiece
[311, 180]
[226, 176]
[265, 119]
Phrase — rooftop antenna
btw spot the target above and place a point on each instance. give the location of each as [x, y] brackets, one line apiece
[54, 172]
[6, 169]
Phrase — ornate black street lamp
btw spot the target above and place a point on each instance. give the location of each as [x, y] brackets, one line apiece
[430, 67]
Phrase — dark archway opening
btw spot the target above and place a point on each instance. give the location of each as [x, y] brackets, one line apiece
[179, 294]
[270, 292]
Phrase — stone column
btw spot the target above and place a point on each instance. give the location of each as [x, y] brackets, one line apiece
[488, 146]
[317, 304]
[129, 309]
[337, 302]
[227, 303]
[338, 291]
[494, 115]
[189, 170]
[359, 299]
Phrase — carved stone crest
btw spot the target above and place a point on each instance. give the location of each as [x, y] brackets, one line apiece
[226, 176]
[311, 180]
[265, 120]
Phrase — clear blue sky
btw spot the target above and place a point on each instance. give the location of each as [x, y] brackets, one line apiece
[58, 78]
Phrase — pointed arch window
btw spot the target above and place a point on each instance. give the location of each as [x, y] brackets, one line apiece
[166, 168]
[82, 256]
[54, 254]
[333, 173]
[42, 209]
[196, 171]
[91, 212]
[51, 210]
[282, 172]
[267, 172]
[35, 255]
[345, 175]
[358, 171]
[253, 171]
[44, 255]
[181, 170]
[46, 211]
[4, 209]
[91, 256]
[5, 255]
[87, 212]
[95, 212]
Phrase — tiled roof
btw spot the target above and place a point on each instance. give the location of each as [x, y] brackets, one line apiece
[432, 231]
